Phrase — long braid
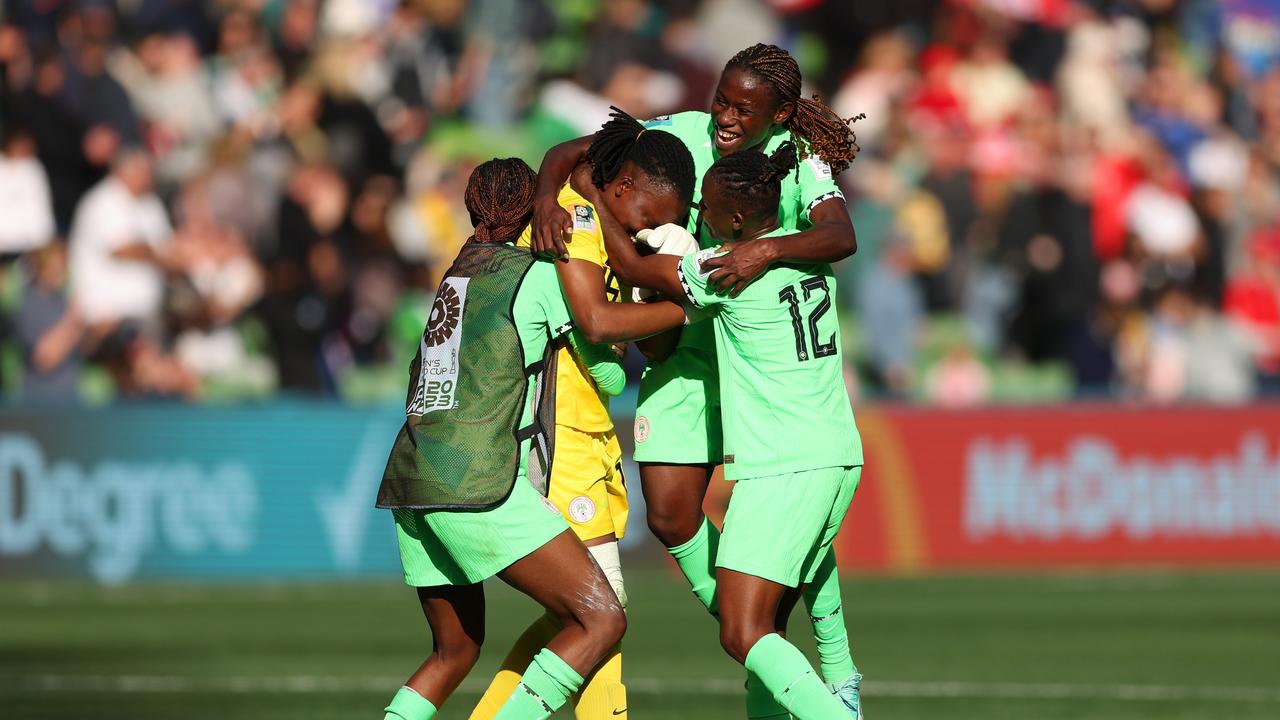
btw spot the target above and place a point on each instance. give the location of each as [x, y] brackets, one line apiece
[753, 180]
[816, 128]
[661, 155]
[499, 198]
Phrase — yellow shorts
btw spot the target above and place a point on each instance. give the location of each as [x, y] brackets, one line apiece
[587, 484]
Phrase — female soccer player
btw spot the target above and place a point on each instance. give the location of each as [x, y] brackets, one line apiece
[644, 179]
[461, 476]
[791, 446]
[757, 105]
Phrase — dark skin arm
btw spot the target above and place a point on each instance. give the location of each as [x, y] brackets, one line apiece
[552, 225]
[602, 321]
[660, 346]
[831, 239]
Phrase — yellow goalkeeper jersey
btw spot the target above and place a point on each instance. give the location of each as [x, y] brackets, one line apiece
[579, 403]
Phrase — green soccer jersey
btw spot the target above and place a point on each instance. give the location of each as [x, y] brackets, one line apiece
[802, 190]
[541, 314]
[782, 393]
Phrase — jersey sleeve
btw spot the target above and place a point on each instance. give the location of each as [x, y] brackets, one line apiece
[601, 363]
[690, 126]
[816, 185]
[542, 288]
[694, 280]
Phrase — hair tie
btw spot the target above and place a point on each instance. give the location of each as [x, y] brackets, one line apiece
[641, 132]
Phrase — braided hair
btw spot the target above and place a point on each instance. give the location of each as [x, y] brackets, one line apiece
[500, 199]
[816, 127]
[661, 155]
[753, 179]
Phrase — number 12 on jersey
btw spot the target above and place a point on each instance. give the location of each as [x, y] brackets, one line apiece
[791, 297]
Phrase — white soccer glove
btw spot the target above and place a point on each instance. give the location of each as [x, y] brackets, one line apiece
[666, 239]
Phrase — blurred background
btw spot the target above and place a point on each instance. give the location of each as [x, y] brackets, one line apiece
[222, 222]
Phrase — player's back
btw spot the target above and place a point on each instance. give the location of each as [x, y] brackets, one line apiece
[783, 397]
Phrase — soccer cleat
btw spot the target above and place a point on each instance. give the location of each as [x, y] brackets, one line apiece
[848, 695]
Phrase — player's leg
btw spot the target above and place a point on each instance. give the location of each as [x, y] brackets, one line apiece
[749, 611]
[822, 599]
[533, 639]
[603, 695]
[456, 617]
[673, 501]
[588, 489]
[563, 578]
[760, 702]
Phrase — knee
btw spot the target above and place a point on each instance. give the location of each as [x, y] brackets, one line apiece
[737, 639]
[673, 528]
[459, 654]
[607, 626]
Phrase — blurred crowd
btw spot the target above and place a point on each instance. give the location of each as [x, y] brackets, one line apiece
[223, 200]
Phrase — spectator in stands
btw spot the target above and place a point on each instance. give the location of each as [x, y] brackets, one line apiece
[119, 247]
[49, 331]
[25, 202]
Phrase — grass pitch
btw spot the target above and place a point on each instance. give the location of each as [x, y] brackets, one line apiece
[1107, 646]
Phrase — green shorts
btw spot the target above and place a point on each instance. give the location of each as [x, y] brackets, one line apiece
[778, 527]
[442, 547]
[678, 411]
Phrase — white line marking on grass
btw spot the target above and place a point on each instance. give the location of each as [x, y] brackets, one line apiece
[647, 686]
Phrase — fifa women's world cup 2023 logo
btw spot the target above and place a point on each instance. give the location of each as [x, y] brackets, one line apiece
[438, 353]
[446, 313]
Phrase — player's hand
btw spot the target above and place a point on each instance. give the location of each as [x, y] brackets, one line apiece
[552, 228]
[738, 266]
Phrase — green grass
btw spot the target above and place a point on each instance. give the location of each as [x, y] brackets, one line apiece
[1059, 646]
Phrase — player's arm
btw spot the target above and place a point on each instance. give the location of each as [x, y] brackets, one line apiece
[656, 272]
[831, 239]
[602, 363]
[602, 321]
[660, 346]
[551, 223]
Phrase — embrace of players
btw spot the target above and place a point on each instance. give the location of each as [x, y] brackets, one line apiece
[508, 464]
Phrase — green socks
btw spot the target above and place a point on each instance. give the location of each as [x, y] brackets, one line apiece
[544, 688]
[760, 702]
[409, 705]
[784, 670]
[697, 560]
[822, 598]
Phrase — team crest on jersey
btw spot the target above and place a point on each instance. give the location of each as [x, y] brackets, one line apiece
[582, 509]
[820, 168]
[642, 429]
[584, 218]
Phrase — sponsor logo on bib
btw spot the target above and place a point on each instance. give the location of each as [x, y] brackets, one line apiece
[642, 429]
[582, 509]
[551, 506]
